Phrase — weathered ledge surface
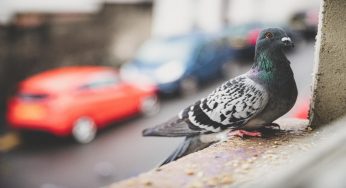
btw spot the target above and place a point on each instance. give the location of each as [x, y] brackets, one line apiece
[236, 162]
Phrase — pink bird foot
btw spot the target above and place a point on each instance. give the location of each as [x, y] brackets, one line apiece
[242, 133]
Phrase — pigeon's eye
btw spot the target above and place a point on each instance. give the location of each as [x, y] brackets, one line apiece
[268, 35]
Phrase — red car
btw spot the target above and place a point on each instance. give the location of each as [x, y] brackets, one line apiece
[78, 101]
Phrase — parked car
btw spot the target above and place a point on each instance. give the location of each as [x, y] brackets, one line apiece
[77, 101]
[305, 23]
[242, 39]
[178, 64]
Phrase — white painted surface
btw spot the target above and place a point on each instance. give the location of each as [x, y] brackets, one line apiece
[181, 16]
[267, 10]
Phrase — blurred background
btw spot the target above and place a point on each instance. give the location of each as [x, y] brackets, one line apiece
[81, 79]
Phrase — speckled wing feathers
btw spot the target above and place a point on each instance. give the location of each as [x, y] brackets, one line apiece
[230, 105]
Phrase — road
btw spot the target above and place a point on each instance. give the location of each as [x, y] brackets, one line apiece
[118, 152]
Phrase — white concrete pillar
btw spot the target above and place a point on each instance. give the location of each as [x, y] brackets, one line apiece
[329, 85]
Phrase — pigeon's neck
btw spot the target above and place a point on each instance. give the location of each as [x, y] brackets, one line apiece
[269, 63]
[263, 62]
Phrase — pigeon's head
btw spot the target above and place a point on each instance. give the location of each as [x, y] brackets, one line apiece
[274, 38]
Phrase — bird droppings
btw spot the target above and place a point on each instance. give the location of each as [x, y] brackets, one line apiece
[190, 172]
[231, 163]
[219, 180]
[147, 183]
[227, 180]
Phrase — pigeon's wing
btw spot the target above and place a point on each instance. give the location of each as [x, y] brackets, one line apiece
[175, 127]
[230, 105]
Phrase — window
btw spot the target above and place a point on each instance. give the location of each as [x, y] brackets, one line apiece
[32, 96]
[101, 81]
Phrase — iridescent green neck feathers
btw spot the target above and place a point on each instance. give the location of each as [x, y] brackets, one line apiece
[264, 67]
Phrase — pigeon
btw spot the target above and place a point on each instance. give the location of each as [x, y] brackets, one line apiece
[242, 105]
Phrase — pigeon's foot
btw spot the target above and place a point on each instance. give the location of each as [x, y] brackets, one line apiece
[242, 133]
[272, 126]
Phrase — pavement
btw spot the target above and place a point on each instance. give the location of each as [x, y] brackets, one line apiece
[119, 151]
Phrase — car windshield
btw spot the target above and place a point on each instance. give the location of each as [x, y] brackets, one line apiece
[101, 81]
[161, 51]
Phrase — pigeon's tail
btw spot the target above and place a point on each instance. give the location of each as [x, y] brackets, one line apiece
[191, 144]
[174, 127]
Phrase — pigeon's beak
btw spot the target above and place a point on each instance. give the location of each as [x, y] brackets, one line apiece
[287, 41]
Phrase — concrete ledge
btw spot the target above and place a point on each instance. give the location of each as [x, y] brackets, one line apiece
[324, 166]
[237, 162]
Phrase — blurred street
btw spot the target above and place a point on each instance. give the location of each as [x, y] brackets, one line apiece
[119, 151]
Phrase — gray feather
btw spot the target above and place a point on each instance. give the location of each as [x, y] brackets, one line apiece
[174, 127]
[191, 144]
[232, 104]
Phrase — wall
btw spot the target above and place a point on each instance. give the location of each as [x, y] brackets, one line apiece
[329, 90]
[131, 26]
[182, 16]
[272, 11]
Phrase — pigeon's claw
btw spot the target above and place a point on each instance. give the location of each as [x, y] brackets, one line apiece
[242, 133]
[272, 126]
